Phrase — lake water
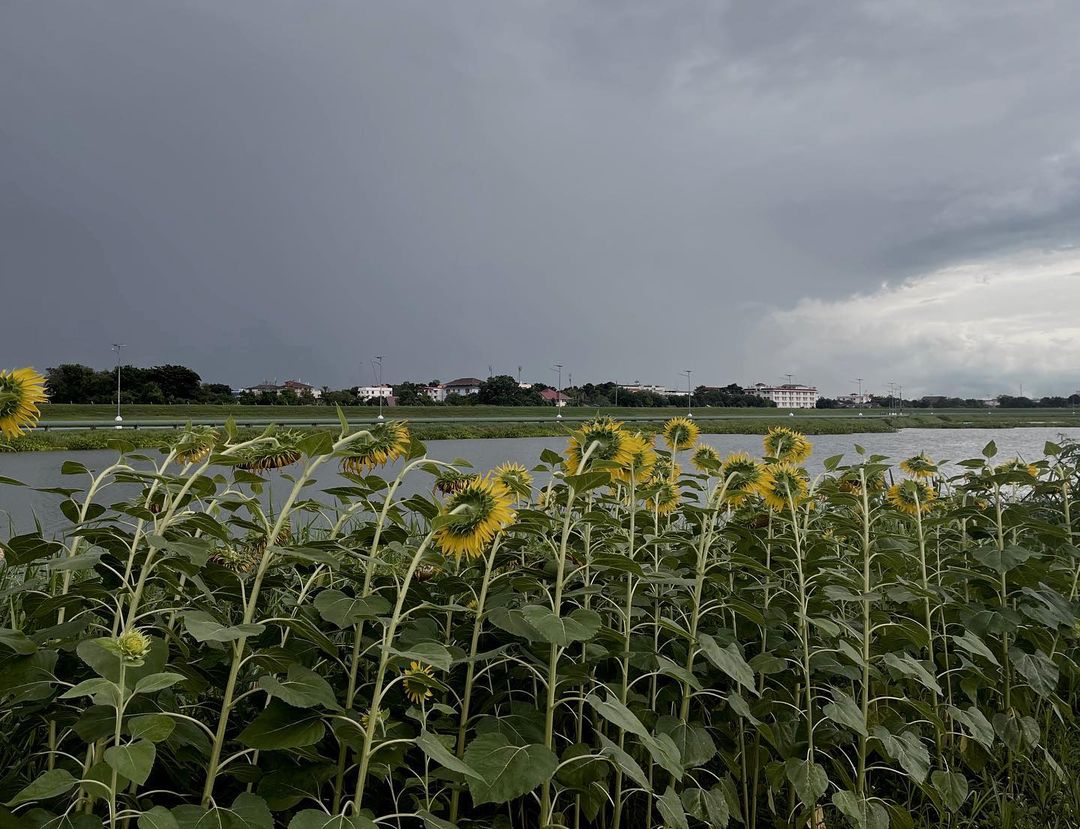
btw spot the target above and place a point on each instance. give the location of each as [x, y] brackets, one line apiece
[20, 505]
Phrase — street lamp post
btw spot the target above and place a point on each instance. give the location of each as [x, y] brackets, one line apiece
[376, 368]
[119, 419]
[689, 394]
[558, 393]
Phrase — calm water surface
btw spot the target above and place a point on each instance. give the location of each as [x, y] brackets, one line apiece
[19, 506]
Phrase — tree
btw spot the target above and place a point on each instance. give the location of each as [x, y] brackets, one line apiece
[178, 383]
[504, 390]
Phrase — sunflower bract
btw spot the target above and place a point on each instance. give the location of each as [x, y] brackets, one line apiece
[786, 445]
[911, 496]
[919, 466]
[386, 443]
[477, 513]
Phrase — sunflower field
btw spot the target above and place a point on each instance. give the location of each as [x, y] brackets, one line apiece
[633, 633]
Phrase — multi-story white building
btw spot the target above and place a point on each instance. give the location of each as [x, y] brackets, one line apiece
[374, 392]
[463, 385]
[854, 399]
[787, 396]
[437, 393]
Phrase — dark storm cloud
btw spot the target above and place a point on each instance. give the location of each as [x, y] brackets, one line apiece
[271, 189]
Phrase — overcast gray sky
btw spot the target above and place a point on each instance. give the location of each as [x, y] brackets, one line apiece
[265, 189]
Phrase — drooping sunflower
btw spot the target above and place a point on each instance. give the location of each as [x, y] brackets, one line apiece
[449, 481]
[919, 466]
[641, 463]
[416, 682]
[477, 513]
[680, 433]
[851, 481]
[281, 451]
[743, 474]
[612, 444]
[195, 443]
[515, 478]
[786, 445]
[782, 484]
[705, 458]
[911, 496]
[386, 443]
[21, 391]
[1017, 466]
[665, 499]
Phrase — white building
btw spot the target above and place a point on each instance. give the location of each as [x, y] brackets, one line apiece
[374, 392]
[301, 387]
[654, 389]
[855, 400]
[463, 385]
[787, 396]
[436, 393]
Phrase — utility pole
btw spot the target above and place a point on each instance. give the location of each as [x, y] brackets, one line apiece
[116, 348]
[519, 375]
[558, 393]
[378, 379]
[789, 376]
[689, 413]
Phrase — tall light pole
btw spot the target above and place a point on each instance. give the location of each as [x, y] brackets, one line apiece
[558, 393]
[687, 372]
[378, 379]
[116, 348]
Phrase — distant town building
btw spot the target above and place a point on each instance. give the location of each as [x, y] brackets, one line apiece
[265, 387]
[652, 389]
[302, 388]
[463, 385]
[855, 400]
[375, 392]
[437, 393]
[556, 398]
[786, 396]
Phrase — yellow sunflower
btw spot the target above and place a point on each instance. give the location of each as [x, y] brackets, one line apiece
[416, 681]
[781, 484]
[743, 474]
[282, 450]
[478, 511]
[665, 499]
[515, 478]
[612, 442]
[680, 433]
[786, 445]
[641, 463]
[386, 443]
[919, 466]
[21, 391]
[911, 496]
[195, 443]
[705, 458]
[1017, 466]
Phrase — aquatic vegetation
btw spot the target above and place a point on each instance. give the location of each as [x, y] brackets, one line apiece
[599, 641]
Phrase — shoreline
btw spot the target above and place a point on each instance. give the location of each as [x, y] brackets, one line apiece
[151, 438]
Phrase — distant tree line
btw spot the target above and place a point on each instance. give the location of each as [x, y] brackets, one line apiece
[76, 383]
[1005, 401]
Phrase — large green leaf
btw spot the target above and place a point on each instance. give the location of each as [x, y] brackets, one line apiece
[345, 611]
[506, 771]
[672, 810]
[283, 726]
[433, 748]
[844, 710]
[314, 819]
[205, 628]
[1038, 669]
[729, 660]
[157, 818]
[302, 688]
[579, 626]
[707, 805]
[908, 750]
[863, 814]
[50, 784]
[133, 761]
[952, 786]
[809, 779]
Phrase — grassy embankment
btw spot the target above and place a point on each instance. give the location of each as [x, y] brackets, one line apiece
[711, 421]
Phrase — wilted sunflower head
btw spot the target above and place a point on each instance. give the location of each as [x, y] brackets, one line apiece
[641, 462]
[680, 433]
[278, 452]
[781, 485]
[477, 512]
[705, 459]
[612, 444]
[132, 646]
[852, 481]
[911, 496]
[382, 716]
[515, 478]
[742, 474]
[417, 680]
[195, 443]
[238, 558]
[385, 443]
[1017, 467]
[449, 481]
[786, 445]
[919, 466]
[665, 498]
[21, 390]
